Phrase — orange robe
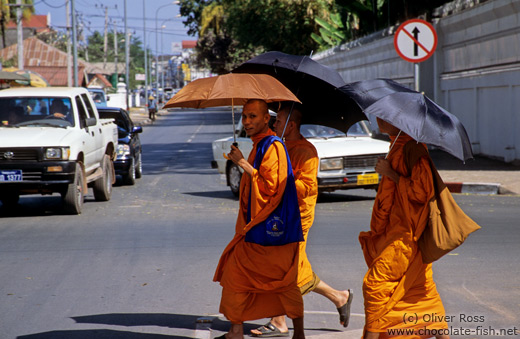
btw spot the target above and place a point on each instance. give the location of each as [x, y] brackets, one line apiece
[398, 289]
[260, 281]
[304, 161]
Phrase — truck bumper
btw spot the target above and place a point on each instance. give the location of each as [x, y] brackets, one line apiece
[39, 177]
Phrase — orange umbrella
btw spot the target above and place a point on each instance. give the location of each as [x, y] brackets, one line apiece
[229, 90]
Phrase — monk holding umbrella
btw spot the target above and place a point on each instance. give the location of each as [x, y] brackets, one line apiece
[259, 280]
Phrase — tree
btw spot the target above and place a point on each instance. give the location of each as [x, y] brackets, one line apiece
[283, 25]
[231, 31]
[8, 13]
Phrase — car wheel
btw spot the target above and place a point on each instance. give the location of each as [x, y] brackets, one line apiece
[234, 175]
[10, 199]
[139, 167]
[73, 197]
[103, 186]
[129, 178]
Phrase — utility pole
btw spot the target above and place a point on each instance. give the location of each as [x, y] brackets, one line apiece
[145, 58]
[19, 31]
[116, 52]
[127, 61]
[69, 51]
[105, 45]
[74, 43]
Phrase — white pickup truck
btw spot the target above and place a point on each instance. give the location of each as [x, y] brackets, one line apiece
[53, 141]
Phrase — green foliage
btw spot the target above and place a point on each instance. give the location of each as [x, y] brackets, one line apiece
[231, 30]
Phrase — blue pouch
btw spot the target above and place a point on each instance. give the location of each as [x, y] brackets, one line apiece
[283, 225]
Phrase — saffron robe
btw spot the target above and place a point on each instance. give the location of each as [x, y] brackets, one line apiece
[260, 281]
[398, 284]
[304, 161]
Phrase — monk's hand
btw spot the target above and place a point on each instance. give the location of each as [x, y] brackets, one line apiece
[383, 167]
[235, 155]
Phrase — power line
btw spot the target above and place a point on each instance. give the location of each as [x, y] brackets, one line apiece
[45, 2]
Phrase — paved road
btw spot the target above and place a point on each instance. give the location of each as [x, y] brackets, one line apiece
[141, 265]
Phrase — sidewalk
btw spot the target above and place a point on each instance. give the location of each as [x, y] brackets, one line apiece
[477, 176]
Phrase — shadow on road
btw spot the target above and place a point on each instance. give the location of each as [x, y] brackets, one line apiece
[38, 206]
[214, 194]
[344, 197]
[98, 334]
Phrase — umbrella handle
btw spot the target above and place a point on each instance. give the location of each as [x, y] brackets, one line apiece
[235, 144]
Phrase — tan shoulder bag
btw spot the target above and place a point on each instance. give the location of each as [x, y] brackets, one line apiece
[448, 225]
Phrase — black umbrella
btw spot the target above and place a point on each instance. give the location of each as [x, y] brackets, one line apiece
[316, 86]
[413, 113]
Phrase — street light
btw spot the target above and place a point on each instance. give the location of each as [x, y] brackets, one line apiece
[156, 43]
[162, 63]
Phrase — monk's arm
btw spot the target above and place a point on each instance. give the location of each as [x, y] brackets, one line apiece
[383, 167]
[418, 187]
[238, 158]
[305, 176]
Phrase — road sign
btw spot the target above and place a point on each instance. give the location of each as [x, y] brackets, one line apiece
[415, 40]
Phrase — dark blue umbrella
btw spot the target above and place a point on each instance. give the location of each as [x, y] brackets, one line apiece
[413, 113]
[316, 86]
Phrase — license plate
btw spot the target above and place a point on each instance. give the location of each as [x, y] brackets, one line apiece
[10, 176]
[368, 179]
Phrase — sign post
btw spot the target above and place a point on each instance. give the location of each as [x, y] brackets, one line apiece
[415, 41]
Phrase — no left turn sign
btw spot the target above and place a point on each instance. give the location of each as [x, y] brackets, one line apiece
[415, 40]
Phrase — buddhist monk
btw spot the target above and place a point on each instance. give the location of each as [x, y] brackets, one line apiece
[259, 281]
[398, 288]
[305, 162]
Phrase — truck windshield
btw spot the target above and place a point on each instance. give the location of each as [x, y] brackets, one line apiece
[40, 111]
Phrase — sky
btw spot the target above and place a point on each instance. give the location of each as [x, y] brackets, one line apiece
[91, 13]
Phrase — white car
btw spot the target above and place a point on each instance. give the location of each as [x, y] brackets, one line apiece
[346, 161]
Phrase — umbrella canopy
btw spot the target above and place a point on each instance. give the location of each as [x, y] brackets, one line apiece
[11, 76]
[30, 78]
[316, 86]
[413, 113]
[229, 90]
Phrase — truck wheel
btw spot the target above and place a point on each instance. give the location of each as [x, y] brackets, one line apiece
[73, 198]
[234, 176]
[129, 178]
[9, 199]
[103, 186]
[139, 167]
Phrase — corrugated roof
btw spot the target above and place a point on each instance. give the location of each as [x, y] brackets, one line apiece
[56, 75]
[39, 55]
[38, 22]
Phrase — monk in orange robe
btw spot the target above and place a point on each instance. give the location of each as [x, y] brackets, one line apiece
[259, 281]
[305, 162]
[398, 288]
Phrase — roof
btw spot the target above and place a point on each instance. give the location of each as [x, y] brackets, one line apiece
[189, 44]
[39, 22]
[47, 60]
[42, 91]
[99, 79]
[38, 53]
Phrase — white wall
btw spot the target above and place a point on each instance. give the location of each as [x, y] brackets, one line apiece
[474, 73]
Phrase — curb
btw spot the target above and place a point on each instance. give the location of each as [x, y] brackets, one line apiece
[476, 188]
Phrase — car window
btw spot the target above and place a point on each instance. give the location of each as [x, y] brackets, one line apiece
[318, 131]
[359, 129]
[36, 111]
[82, 112]
[119, 118]
[88, 105]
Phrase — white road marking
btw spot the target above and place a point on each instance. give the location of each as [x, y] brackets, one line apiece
[195, 133]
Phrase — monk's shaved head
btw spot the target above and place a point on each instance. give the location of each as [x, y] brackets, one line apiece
[260, 106]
